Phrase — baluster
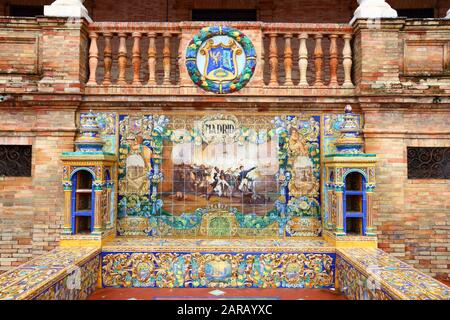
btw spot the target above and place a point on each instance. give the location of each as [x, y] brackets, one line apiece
[288, 59]
[333, 60]
[107, 58]
[93, 58]
[136, 60]
[318, 56]
[347, 55]
[273, 60]
[122, 58]
[166, 58]
[303, 59]
[263, 55]
[151, 58]
[180, 57]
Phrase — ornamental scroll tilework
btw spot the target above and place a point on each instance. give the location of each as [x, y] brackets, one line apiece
[238, 270]
[219, 175]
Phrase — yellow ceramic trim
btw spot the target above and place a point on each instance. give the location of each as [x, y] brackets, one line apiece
[347, 242]
[87, 241]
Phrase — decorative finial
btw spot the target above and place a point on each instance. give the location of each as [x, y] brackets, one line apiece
[89, 140]
[350, 139]
[348, 109]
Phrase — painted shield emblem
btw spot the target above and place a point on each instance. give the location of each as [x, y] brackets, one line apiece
[221, 64]
[220, 59]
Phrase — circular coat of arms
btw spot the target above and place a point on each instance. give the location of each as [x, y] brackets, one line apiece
[220, 59]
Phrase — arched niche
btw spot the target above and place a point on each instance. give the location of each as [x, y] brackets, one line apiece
[355, 203]
[83, 201]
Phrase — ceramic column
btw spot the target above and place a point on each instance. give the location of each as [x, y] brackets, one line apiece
[330, 223]
[339, 212]
[98, 187]
[108, 203]
[67, 229]
[370, 230]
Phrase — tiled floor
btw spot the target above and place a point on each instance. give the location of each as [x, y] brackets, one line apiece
[215, 294]
[446, 282]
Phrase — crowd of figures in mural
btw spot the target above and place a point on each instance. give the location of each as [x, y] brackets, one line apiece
[219, 175]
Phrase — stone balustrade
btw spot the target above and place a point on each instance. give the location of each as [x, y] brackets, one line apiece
[105, 60]
[150, 56]
[308, 55]
[137, 54]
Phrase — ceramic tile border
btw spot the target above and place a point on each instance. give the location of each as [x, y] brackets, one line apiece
[201, 245]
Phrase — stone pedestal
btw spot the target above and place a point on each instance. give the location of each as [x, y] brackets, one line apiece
[89, 175]
[67, 8]
[373, 9]
[350, 182]
[102, 167]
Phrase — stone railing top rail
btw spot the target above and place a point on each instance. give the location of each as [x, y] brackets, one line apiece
[282, 26]
[32, 278]
[335, 28]
[397, 278]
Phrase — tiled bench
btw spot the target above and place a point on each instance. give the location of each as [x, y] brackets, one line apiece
[69, 273]
[372, 274]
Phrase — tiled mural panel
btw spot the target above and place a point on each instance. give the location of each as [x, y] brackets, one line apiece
[219, 175]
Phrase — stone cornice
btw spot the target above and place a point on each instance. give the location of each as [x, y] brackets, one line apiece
[390, 24]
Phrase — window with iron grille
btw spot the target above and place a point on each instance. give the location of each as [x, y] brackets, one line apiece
[15, 161]
[428, 163]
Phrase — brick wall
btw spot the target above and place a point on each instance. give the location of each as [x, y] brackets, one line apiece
[412, 216]
[31, 207]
